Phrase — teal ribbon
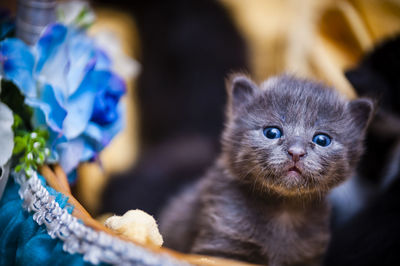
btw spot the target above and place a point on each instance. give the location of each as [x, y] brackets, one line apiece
[23, 241]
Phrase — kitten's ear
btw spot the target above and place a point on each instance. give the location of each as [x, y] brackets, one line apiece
[361, 111]
[240, 90]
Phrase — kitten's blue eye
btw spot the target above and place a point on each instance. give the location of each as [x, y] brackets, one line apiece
[272, 132]
[322, 140]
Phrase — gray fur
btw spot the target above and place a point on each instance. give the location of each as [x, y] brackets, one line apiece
[247, 206]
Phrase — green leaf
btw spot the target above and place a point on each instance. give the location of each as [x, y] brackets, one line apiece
[18, 168]
[17, 122]
[42, 133]
[30, 149]
[19, 145]
[41, 140]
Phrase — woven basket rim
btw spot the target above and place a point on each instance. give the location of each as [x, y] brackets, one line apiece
[57, 179]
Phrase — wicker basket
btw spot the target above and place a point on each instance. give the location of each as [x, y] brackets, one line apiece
[57, 179]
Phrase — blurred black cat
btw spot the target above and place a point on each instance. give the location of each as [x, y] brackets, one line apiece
[370, 234]
[188, 48]
[286, 144]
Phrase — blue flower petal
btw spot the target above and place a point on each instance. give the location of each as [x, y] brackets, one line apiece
[103, 61]
[80, 104]
[99, 136]
[51, 107]
[16, 64]
[54, 140]
[52, 56]
[107, 98]
[82, 55]
[49, 43]
[71, 90]
[88, 153]
[70, 154]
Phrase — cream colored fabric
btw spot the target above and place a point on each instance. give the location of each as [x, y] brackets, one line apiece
[137, 226]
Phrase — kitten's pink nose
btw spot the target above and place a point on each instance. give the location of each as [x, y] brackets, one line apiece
[296, 152]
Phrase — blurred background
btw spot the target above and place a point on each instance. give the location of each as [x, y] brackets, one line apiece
[183, 51]
[175, 56]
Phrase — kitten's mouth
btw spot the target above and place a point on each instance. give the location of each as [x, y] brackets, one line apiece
[294, 169]
[294, 173]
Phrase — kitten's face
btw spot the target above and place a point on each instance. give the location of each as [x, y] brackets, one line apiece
[292, 136]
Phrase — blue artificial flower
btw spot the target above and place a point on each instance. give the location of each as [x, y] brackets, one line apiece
[67, 80]
[16, 64]
[107, 98]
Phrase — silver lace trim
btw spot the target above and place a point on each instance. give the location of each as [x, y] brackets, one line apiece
[95, 246]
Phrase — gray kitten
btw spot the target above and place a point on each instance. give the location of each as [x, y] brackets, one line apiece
[285, 145]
